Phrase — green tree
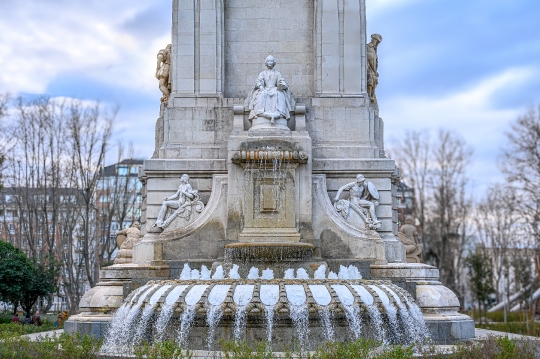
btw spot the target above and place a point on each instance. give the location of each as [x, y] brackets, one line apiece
[24, 281]
[481, 279]
[43, 281]
[15, 273]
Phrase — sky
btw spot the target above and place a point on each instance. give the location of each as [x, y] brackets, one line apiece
[471, 66]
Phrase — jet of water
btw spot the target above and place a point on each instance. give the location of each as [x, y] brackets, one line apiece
[301, 274]
[218, 274]
[253, 273]
[195, 274]
[205, 273]
[233, 273]
[186, 272]
[289, 274]
[320, 273]
[354, 273]
[267, 274]
[343, 273]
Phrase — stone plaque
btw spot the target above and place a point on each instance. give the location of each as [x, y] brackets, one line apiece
[269, 198]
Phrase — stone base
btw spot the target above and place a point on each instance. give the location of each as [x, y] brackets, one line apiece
[269, 235]
[449, 329]
[439, 304]
[95, 325]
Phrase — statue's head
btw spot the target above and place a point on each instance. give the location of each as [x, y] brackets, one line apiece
[360, 179]
[376, 39]
[409, 219]
[184, 178]
[270, 62]
[135, 224]
[168, 47]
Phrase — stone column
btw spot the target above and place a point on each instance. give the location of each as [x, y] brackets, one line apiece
[197, 48]
[341, 48]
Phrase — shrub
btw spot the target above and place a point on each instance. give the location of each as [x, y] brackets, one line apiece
[532, 329]
[64, 346]
[15, 330]
[161, 350]
[242, 350]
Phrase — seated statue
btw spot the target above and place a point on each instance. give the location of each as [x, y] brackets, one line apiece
[408, 234]
[183, 202]
[270, 98]
[362, 200]
[126, 239]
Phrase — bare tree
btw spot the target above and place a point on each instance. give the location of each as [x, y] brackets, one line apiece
[89, 133]
[497, 228]
[118, 198]
[436, 170]
[521, 166]
[413, 156]
[59, 147]
[449, 229]
[4, 99]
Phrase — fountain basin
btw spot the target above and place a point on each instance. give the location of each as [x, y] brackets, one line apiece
[282, 311]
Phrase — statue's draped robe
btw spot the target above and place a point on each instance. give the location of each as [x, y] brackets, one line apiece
[273, 100]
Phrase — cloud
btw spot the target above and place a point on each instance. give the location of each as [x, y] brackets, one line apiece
[41, 40]
[472, 112]
[376, 7]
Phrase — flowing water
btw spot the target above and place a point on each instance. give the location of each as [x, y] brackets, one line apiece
[393, 318]
[395, 333]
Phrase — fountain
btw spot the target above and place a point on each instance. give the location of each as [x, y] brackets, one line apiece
[279, 219]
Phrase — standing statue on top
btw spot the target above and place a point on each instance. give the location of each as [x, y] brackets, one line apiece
[270, 100]
[408, 234]
[373, 66]
[183, 202]
[359, 209]
[163, 72]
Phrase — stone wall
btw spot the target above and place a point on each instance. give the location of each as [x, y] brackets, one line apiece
[282, 28]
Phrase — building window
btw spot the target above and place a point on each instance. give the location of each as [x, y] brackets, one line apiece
[123, 171]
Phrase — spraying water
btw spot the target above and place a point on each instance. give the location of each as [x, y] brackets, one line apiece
[320, 273]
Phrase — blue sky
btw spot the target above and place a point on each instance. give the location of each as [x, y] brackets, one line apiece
[467, 65]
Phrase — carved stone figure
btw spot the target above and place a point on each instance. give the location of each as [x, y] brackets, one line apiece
[408, 234]
[183, 202]
[126, 239]
[372, 66]
[270, 98]
[163, 72]
[360, 207]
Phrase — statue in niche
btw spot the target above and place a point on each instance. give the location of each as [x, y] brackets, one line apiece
[183, 203]
[126, 239]
[270, 98]
[359, 209]
[163, 72]
[373, 66]
[408, 234]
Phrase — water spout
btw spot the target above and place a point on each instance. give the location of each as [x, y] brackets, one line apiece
[320, 273]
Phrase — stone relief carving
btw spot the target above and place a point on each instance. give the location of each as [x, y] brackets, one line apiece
[372, 66]
[359, 209]
[126, 239]
[408, 234]
[270, 99]
[183, 203]
[163, 72]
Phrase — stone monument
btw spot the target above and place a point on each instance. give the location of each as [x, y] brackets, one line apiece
[409, 237]
[125, 240]
[267, 157]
